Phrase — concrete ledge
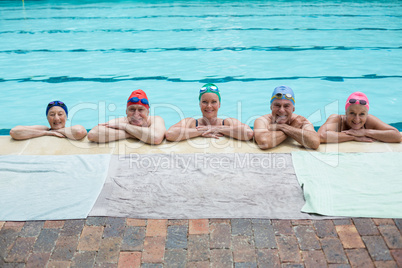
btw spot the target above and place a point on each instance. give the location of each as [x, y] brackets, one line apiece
[56, 146]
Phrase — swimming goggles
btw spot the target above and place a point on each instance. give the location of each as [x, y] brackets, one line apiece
[56, 103]
[135, 100]
[287, 96]
[353, 101]
[211, 88]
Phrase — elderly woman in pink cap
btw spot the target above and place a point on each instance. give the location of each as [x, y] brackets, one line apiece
[357, 124]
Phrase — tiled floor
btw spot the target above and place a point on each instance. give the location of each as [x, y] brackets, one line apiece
[123, 242]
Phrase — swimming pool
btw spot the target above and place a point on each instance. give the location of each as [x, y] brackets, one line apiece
[92, 54]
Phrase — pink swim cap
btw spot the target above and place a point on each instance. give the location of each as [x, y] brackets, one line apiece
[357, 97]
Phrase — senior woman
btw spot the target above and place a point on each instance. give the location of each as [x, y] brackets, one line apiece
[209, 125]
[357, 124]
[56, 113]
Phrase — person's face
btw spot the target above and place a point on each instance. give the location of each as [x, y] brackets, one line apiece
[356, 116]
[137, 115]
[282, 111]
[209, 105]
[56, 117]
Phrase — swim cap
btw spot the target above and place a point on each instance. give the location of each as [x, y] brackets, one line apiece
[210, 88]
[357, 97]
[283, 92]
[56, 103]
[138, 97]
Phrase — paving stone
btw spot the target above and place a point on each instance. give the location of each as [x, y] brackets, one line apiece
[349, 236]
[385, 264]
[178, 222]
[397, 254]
[398, 223]
[114, 227]
[391, 235]
[333, 250]
[268, 258]
[199, 226]
[105, 265]
[20, 250]
[58, 264]
[198, 264]
[133, 239]
[314, 258]
[384, 221]
[151, 265]
[245, 265]
[282, 227]
[90, 239]
[46, 240]
[198, 248]
[175, 258]
[241, 227]
[109, 251]
[54, 224]
[84, 259]
[325, 228]
[345, 221]
[156, 228]
[244, 249]
[301, 222]
[338, 266]
[365, 226]
[96, 221]
[72, 228]
[65, 248]
[7, 239]
[39, 259]
[377, 248]
[176, 236]
[288, 249]
[261, 221]
[154, 249]
[264, 235]
[306, 237]
[359, 258]
[17, 225]
[129, 260]
[221, 258]
[292, 265]
[220, 235]
[31, 228]
[136, 222]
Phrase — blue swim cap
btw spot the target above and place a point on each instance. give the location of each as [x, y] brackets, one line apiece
[56, 103]
[283, 92]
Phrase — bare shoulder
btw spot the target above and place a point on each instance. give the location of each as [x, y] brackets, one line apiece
[262, 121]
[374, 122]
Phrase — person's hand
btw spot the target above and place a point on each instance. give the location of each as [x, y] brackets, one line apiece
[355, 132]
[121, 126]
[209, 132]
[56, 134]
[364, 139]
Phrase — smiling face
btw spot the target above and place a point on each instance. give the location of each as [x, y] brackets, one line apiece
[282, 111]
[209, 105]
[356, 116]
[56, 117]
[137, 115]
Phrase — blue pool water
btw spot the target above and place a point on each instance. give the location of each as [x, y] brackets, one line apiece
[92, 54]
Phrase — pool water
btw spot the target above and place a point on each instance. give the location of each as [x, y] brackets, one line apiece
[92, 54]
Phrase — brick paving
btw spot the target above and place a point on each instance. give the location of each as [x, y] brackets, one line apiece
[124, 242]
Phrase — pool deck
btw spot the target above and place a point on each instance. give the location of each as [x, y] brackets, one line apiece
[126, 242]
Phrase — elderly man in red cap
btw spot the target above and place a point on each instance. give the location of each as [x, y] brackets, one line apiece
[138, 124]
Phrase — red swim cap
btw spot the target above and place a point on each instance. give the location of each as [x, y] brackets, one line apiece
[138, 97]
[356, 97]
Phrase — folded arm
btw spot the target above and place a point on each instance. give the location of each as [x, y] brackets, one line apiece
[265, 137]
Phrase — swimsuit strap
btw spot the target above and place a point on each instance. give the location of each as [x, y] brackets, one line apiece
[223, 122]
[196, 122]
